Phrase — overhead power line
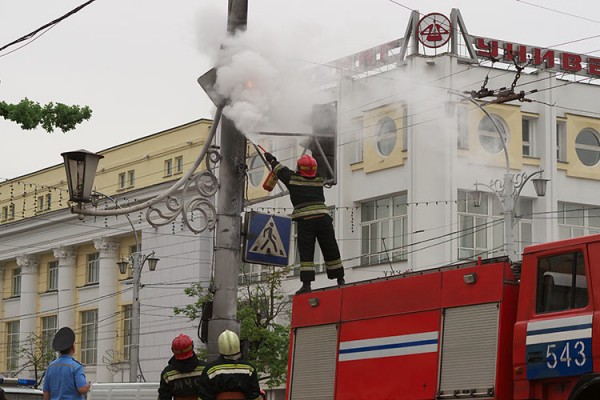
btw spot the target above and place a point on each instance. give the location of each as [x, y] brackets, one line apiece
[46, 26]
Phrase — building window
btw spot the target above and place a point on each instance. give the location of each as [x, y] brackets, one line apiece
[122, 180]
[356, 136]
[131, 178]
[481, 228]
[40, 203]
[12, 345]
[53, 275]
[93, 268]
[587, 146]
[489, 136]
[49, 328]
[257, 171]
[575, 220]
[89, 336]
[386, 136]
[561, 139]
[168, 167]
[384, 230]
[528, 133]
[126, 332]
[48, 201]
[561, 283]
[4, 213]
[16, 282]
[178, 164]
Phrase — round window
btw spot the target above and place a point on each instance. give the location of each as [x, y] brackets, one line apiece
[587, 146]
[489, 132]
[386, 136]
[256, 171]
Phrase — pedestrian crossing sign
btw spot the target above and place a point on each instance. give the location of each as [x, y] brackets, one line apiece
[267, 239]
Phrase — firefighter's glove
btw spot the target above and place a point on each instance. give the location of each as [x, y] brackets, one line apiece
[270, 159]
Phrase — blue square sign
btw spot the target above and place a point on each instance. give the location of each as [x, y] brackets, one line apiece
[267, 239]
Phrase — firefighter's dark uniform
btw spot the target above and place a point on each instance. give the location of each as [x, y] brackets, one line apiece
[181, 379]
[313, 222]
[228, 379]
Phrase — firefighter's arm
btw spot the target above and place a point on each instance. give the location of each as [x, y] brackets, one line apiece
[254, 392]
[164, 392]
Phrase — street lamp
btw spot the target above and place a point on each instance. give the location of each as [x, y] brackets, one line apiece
[137, 261]
[509, 189]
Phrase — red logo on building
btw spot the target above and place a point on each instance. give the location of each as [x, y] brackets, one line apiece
[434, 30]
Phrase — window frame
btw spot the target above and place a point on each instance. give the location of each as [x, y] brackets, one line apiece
[178, 165]
[256, 171]
[16, 282]
[378, 251]
[49, 327]
[122, 180]
[385, 139]
[52, 277]
[131, 178]
[561, 141]
[168, 171]
[583, 148]
[528, 144]
[126, 311]
[12, 344]
[92, 273]
[89, 336]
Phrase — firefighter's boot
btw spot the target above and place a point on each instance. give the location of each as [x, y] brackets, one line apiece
[341, 281]
[305, 288]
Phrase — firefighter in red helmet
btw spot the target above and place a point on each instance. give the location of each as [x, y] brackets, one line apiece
[181, 378]
[312, 218]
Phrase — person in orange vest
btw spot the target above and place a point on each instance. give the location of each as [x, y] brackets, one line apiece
[181, 378]
[312, 218]
[229, 377]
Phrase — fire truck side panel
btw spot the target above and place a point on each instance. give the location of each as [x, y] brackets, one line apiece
[327, 310]
[389, 357]
[392, 296]
[508, 316]
[486, 289]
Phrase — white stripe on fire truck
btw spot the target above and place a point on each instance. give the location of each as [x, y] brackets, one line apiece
[554, 330]
[389, 346]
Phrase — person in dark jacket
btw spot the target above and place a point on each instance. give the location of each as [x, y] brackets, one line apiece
[312, 218]
[229, 377]
[181, 378]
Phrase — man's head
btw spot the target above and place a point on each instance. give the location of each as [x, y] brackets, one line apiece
[182, 347]
[229, 343]
[307, 166]
[63, 340]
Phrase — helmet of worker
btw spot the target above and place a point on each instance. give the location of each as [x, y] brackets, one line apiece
[307, 166]
[229, 343]
[182, 347]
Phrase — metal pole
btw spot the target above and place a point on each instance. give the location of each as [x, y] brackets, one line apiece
[230, 203]
[135, 318]
[509, 216]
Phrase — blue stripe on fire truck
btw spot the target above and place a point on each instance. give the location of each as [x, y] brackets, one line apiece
[389, 346]
[559, 347]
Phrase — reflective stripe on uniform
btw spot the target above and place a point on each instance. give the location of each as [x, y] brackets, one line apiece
[229, 369]
[174, 374]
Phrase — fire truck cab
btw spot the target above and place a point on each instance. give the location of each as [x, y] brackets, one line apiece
[488, 329]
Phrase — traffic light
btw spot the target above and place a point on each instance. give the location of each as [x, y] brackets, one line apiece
[323, 144]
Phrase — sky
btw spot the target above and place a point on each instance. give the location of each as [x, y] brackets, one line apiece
[135, 63]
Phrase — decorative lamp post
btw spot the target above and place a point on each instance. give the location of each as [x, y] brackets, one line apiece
[81, 169]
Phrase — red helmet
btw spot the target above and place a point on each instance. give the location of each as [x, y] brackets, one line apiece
[182, 347]
[307, 166]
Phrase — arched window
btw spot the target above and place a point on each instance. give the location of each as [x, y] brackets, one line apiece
[386, 135]
[488, 134]
[587, 146]
[256, 171]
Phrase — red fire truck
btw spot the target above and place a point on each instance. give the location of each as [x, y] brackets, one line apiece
[489, 329]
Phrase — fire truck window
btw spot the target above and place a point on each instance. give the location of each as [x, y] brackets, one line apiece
[561, 283]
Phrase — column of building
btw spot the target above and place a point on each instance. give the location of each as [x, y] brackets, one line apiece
[29, 265]
[107, 306]
[67, 259]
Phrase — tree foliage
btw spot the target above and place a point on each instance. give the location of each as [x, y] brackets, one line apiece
[37, 354]
[260, 303]
[30, 114]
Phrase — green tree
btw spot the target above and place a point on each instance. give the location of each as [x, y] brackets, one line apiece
[260, 302]
[37, 354]
[30, 114]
